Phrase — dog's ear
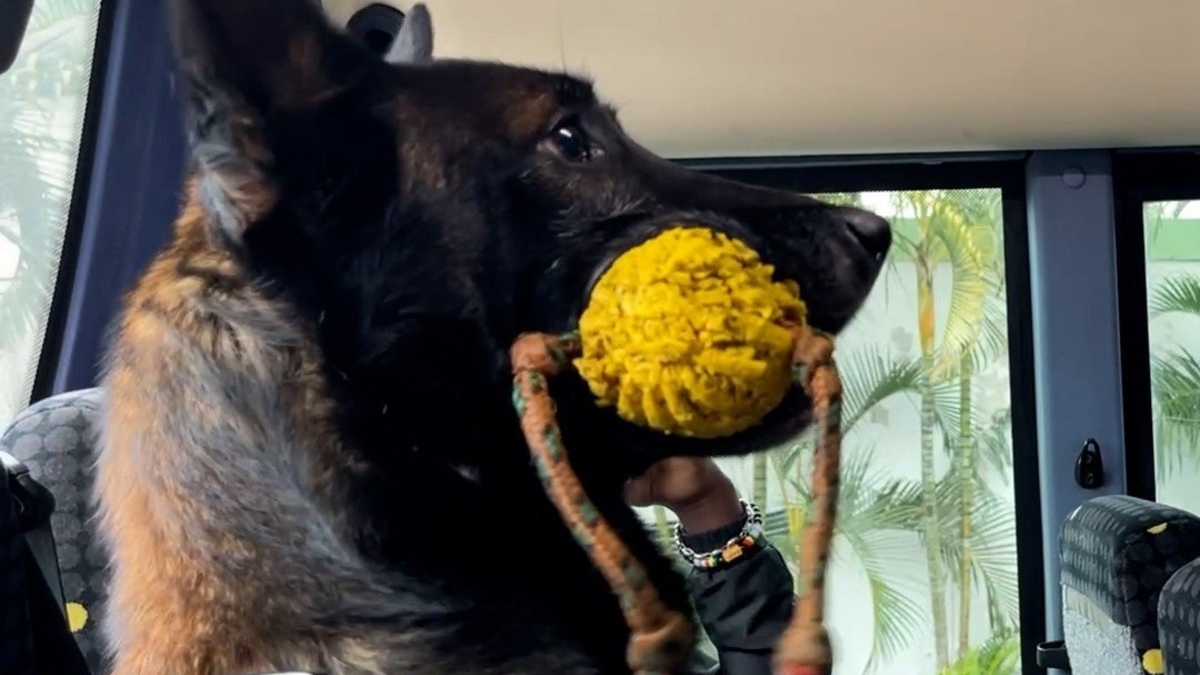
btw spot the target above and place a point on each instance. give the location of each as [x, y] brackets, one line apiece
[414, 42]
[244, 65]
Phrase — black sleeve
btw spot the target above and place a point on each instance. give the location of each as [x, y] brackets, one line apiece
[744, 607]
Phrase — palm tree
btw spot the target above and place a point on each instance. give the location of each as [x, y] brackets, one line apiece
[878, 517]
[1000, 655]
[983, 348]
[961, 229]
[1175, 380]
[868, 503]
[46, 82]
[1175, 372]
[871, 517]
[873, 521]
[957, 228]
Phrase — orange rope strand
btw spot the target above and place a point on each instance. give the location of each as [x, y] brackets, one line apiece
[661, 638]
[804, 647]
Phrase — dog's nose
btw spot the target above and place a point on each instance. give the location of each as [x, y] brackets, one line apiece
[873, 232]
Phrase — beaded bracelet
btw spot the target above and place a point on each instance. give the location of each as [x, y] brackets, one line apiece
[737, 546]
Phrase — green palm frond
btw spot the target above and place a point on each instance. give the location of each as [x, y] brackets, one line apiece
[994, 441]
[872, 531]
[991, 434]
[969, 247]
[1175, 384]
[999, 655]
[38, 165]
[868, 499]
[991, 339]
[898, 506]
[991, 437]
[947, 411]
[1178, 294]
[992, 543]
[878, 519]
[898, 617]
[860, 480]
[870, 377]
[962, 228]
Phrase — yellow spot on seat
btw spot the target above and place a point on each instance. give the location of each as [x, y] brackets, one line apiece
[1152, 660]
[1157, 529]
[77, 616]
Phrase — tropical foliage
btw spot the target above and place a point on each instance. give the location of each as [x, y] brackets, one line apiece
[953, 520]
[1174, 310]
[935, 552]
[41, 104]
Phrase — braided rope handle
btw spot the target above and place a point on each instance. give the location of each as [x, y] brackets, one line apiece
[804, 648]
[661, 638]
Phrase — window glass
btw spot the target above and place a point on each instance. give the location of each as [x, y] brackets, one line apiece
[1172, 232]
[925, 554]
[42, 99]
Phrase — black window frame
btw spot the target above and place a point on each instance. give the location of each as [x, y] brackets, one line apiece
[1006, 171]
[127, 189]
[1141, 177]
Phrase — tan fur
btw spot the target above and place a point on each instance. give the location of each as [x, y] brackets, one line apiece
[178, 327]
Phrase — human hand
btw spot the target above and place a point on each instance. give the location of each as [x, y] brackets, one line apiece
[694, 488]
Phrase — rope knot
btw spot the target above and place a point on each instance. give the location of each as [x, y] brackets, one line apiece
[538, 353]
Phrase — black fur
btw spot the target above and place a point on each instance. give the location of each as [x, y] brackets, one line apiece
[421, 216]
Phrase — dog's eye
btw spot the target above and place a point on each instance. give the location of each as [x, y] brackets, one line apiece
[569, 141]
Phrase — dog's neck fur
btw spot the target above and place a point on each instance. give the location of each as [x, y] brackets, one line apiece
[300, 374]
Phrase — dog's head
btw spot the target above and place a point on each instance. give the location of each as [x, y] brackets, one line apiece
[476, 193]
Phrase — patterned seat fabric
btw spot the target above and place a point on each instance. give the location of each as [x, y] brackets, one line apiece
[55, 438]
[1179, 621]
[1117, 553]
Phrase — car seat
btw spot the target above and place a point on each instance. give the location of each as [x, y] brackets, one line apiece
[1179, 621]
[1117, 553]
[53, 574]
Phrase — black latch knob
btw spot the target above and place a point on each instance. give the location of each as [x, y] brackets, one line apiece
[1089, 467]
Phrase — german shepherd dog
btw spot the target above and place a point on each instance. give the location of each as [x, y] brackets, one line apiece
[310, 460]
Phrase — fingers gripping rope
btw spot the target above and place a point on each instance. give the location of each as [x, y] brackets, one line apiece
[660, 637]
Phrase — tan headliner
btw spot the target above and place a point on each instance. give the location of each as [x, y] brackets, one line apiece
[696, 78]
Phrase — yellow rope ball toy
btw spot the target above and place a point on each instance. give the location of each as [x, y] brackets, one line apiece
[688, 333]
[685, 334]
